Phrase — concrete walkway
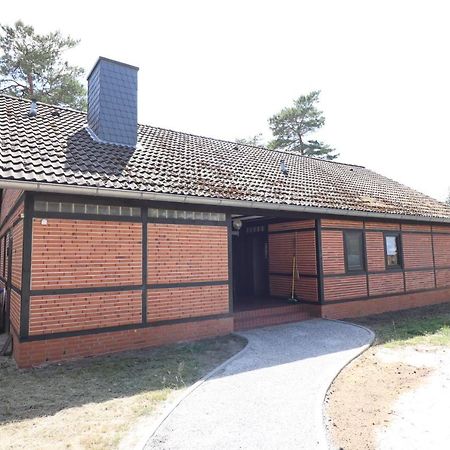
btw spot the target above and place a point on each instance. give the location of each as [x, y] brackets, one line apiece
[270, 397]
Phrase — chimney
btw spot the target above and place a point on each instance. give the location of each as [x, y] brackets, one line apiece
[112, 102]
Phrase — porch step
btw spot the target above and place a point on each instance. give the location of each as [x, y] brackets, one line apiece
[246, 320]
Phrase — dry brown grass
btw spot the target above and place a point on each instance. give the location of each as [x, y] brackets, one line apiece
[92, 403]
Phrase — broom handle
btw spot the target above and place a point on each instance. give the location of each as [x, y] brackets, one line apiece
[293, 277]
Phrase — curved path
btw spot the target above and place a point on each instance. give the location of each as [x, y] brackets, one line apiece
[271, 395]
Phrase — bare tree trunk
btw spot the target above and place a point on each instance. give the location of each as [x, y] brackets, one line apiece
[30, 85]
[302, 147]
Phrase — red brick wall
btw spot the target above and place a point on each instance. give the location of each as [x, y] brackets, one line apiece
[416, 281]
[441, 249]
[280, 286]
[179, 253]
[282, 247]
[338, 288]
[359, 308]
[281, 251]
[333, 252]
[85, 253]
[443, 277]
[32, 353]
[417, 249]
[15, 310]
[69, 312]
[337, 223]
[9, 198]
[306, 288]
[382, 226]
[375, 251]
[386, 283]
[17, 255]
[185, 302]
[293, 225]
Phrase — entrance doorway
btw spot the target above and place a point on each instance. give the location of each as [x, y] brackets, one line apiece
[250, 263]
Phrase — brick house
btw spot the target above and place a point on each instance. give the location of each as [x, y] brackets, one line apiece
[116, 236]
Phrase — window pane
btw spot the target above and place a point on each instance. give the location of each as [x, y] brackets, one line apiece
[40, 206]
[354, 250]
[79, 208]
[67, 207]
[53, 206]
[114, 210]
[392, 251]
[91, 209]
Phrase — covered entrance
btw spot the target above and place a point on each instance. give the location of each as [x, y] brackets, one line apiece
[269, 257]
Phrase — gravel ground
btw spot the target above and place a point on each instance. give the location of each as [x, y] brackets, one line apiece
[270, 396]
[420, 417]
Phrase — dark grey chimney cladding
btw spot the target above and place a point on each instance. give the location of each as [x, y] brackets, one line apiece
[112, 102]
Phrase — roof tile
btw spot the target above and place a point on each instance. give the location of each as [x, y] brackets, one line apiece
[58, 149]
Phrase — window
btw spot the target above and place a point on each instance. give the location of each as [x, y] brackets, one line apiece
[392, 247]
[83, 208]
[155, 213]
[354, 251]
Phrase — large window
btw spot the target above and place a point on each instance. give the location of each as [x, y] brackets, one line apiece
[354, 251]
[392, 247]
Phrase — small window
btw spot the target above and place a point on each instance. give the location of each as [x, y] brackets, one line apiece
[392, 245]
[354, 251]
[176, 214]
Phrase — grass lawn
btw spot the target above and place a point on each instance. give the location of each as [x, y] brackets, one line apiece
[93, 402]
[420, 326]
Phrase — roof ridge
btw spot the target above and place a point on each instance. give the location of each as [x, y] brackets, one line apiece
[286, 152]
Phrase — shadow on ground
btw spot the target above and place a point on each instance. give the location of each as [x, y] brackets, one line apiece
[38, 392]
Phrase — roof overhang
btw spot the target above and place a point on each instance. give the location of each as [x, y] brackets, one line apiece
[193, 200]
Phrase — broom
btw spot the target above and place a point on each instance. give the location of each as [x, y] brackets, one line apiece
[292, 298]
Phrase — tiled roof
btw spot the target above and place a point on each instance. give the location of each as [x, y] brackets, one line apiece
[55, 147]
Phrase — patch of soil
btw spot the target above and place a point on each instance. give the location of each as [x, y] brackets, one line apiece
[361, 399]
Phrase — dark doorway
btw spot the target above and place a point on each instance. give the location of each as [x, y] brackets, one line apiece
[250, 262]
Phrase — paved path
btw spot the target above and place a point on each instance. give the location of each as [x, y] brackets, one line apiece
[270, 397]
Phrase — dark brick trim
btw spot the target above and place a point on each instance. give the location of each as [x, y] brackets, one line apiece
[285, 274]
[82, 216]
[214, 223]
[144, 267]
[394, 294]
[230, 264]
[85, 290]
[65, 334]
[319, 262]
[434, 260]
[293, 230]
[26, 264]
[188, 284]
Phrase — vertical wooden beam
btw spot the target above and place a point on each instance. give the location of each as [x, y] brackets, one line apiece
[319, 261]
[26, 264]
[144, 217]
[230, 263]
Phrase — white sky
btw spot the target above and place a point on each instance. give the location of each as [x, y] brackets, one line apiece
[221, 69]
